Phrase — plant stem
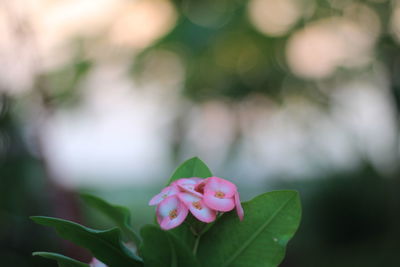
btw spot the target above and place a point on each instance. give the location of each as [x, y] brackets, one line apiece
[196, 244]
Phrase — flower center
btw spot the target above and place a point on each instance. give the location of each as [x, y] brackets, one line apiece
[199, 188]
[173, 214]
[219, 194]
[197, 205]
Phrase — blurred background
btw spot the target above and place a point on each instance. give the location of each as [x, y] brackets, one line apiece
[109, 96]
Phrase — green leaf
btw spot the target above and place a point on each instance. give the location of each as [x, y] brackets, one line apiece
[63, 261]
[270, 221]
[193, 167]
[161, 248]
[104, 245]
[118, 214]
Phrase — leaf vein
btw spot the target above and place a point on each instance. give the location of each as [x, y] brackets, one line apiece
[256, 233]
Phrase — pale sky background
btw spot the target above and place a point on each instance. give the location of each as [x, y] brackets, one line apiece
[120, 133]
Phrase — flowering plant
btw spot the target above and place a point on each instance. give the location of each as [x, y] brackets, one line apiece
[203, 197]
[201, 222]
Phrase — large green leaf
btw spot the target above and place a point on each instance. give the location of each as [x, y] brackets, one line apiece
[118, 214]
[63, 261]
[104, 245]
[193, 167]
[270, 220]
[162, 249]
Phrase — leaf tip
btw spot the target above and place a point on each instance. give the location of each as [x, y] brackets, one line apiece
[42, 219]
[193, 159]
[190, 160]
[196, 158]
[36, 253]
[36, 218]
[88, 198]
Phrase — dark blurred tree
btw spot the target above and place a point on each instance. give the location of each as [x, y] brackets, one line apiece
[23, 192]
[349, 219]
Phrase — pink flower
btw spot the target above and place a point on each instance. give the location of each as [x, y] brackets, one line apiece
[189, 185]
[203, 197]
[197, 207]
[171, 212]
[219, 194]
[239, 208]
[166, 192]
[96, 263]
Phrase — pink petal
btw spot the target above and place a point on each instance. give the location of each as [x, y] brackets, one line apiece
[204, 214]
[239, 208]
[96, 263]
[196, 179]
[219, 204]
[188, 185]
[156, 199]
[167, 205]
[171, 190]
[167, 223]
[197, 207]
[166, 192]
[174, 183]
[159, 217]
[193, 180]
[188, 199]
[216, 184]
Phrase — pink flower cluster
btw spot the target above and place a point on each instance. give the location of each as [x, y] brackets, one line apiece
[204, 198]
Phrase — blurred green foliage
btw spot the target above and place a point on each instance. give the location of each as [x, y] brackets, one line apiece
[225, 56]
[22, 193]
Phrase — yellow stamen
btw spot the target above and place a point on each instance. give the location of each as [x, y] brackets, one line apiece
[173, 214]
[197, 205]
[219, 194]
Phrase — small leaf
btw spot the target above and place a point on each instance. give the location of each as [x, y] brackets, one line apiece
[118, 214]
[193, 167]
[161, 248]
[270, 221]
[104, 245]
[63, 261]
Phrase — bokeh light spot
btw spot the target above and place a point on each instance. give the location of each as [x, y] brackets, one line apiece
[274, 18]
